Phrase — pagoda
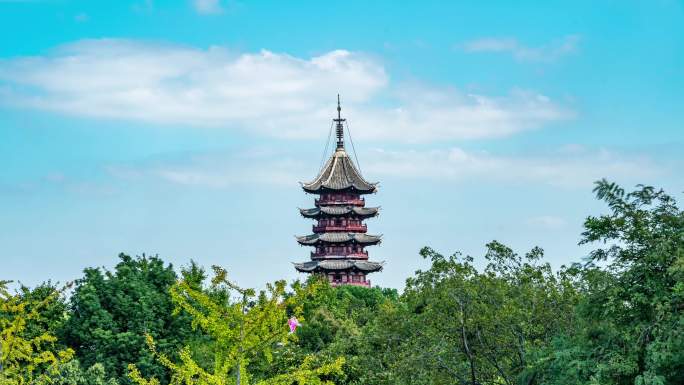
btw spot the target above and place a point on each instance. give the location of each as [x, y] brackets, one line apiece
[339, 235]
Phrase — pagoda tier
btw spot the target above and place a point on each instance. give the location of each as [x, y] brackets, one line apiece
[339, 235]
[354, 266]
[340, 211]
[340, 238]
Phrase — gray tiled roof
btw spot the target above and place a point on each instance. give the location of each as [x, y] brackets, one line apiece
[366, 266]
[339, 238]
[339, 173]
[339, 210]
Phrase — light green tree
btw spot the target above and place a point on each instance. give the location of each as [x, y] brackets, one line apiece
[72, 373]
[26, 360]
[244, 327]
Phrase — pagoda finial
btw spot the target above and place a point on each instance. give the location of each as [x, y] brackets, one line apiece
[339, 128]
[339, 109]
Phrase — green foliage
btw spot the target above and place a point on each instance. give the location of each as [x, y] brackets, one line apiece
[27, 354]
[631, 328]
[338, 321]
[453, 324]
[244, 331]
[52, 314]
[615, 319]
[476, 327]
[71, 373]
[112, 311]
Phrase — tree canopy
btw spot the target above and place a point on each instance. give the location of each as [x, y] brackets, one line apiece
[28, 355]
[614, 317]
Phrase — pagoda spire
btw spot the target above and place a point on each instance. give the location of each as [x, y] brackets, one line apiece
[339, 128]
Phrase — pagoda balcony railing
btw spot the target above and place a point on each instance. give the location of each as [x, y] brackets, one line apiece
[350, 228]
[353, 254]
[341, 283]
[348, 202]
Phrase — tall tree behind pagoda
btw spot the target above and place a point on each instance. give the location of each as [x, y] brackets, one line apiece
[339, 236]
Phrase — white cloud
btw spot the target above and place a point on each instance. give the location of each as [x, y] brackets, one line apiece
[218, 170]
[545, 53]
[429, 114]
[280, 167]
[207, 6]
[557, 169]
[268, 93]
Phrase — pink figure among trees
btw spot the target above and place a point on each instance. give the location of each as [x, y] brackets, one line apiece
[293, 323]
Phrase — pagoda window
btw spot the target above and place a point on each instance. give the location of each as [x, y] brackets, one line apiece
[355, 278]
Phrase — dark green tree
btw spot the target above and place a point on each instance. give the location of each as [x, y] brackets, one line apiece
[338, 320]
[479, 327]
[631, 318]
[112, 311]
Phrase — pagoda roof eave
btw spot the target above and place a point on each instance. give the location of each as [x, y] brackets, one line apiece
[339, 237]
[318, 266]
[351, 189]
[336, 211]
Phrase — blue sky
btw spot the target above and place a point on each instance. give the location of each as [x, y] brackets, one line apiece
[181, 128]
